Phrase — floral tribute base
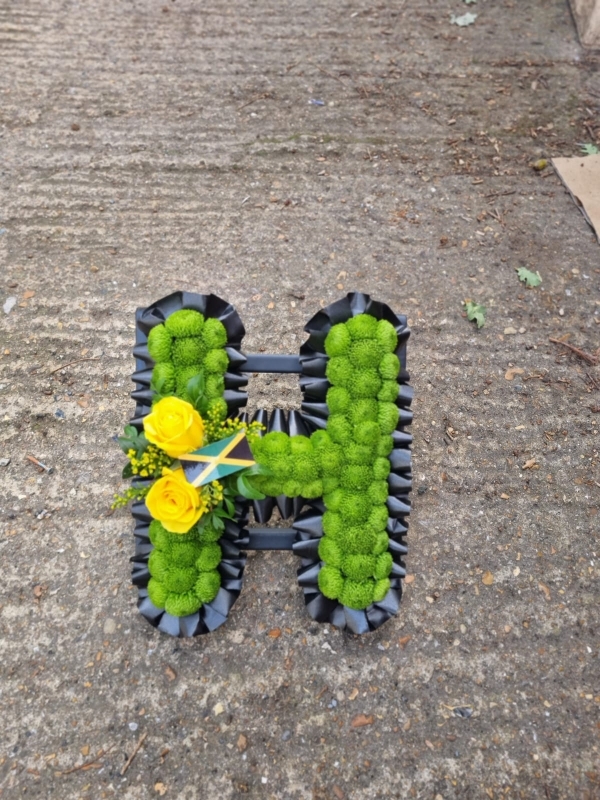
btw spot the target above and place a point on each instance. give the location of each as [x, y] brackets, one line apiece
[307, 536]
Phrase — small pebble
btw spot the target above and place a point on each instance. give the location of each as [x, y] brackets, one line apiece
[110, 626]
[4, 462]
[59, 414]
[10, 303]
[133, 726]
[286, 736]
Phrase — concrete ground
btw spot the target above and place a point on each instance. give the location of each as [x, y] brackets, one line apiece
[152, 146]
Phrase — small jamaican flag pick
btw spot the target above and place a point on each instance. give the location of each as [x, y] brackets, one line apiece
[217, 460]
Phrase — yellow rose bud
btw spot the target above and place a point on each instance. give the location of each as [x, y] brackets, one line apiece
[175, 426]
[175, 502]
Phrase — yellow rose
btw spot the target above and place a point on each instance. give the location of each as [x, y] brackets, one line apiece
[175, 502]
[175, 426]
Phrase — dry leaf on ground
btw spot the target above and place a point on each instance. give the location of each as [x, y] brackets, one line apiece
[487, 578]
[361, 720]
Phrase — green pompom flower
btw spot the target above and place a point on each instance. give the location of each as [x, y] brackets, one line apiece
[216, 361]
[358, 540]
[182, 604]
[355, 508]
[157, 593]
[338, 400]
[179, 579]
[312, 490]
[357, 594]
[182, 377]
[381, 469]
[292, 488]
[185, 322]
[368, 433]
[158, 565]
[389, 367]
[363, 410]
[359, 454]
[363, 326]
[184, 554]
[356, 478]
[333, 500]
[387, 336]
[330, 483]
[186, 352]
[333, 525]
[275, 444]
[159, 344]
[300, 446]
[207, 534]
[209, 558]
[358, 567]
[272, 487]
[281, 466]
[388, 392]
[383, 566]
[331, 582]
[366, 383]
[387, 417]
[378, 492]
[214, 334]
[365, 353]
[385, 445]
[164, 373]
[305, 467]
[215, 386]
[378, 518]
[331, 458]
[338, 340]
[340, 371]
[330, 552]
[320, 439]
[382, 587]
[340, 429]
[382, 543]
[207, 586]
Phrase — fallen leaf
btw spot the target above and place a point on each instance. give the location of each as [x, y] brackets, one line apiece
[409, 579]
[510, 331]
[475, 313]
[361, 720]
[85, 750]
[465, 19]
[545, 590]
[271, 305]
[504, 496]
[531, 464]
[429, 744]
[219, 708]
[353, 694]
[160, 788]
[242, 743]
[517, 571]
[338, 792]
[275, 633]
[28, 295]
[510, 373]
[404, 641]
[406, 726]
[487, 578]
[529, 278]
[170, 673]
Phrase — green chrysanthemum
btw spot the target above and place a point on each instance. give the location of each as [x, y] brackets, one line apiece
[183, 375]
[383, 566]
[378, 492]
[330, 552]
[365, 353]
[209, 558]
[216, 361]
[333, 524]
[385, 446]
[387, 336]
[338, 341]
[182, 604]
[355, 508]
[388, 392]
[179, 579]
[357, 594]
[382, 587]
[330, 483]
[207, 534]
[381, 469]
[359, 540]
[312, 489]
[340, 371]
[184, 554]
[331, 582]
[338, 400]
[215, 386]
[340, 429]
[358, 567]
[185, 322]
[381, 544]
[214, 334]
[159, 344]
[158, 565]
[389, 367]
[359, 454]
[365, 383]
[387, 417]
[207, 586]
[164, 373]
[363, 410]
[186, 352]
[356, 478]
[368, 432]
[157, 593]
[363, 326]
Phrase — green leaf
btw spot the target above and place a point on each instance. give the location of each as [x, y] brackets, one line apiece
[248, 491]
[127, 471]
[257, 469]
[475, 313]
[158, 385]
[590, 149]
[130, 431]
[528, 277]
[217, 523]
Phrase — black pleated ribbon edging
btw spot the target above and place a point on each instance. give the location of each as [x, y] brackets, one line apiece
[235, 537]
[308, 524]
